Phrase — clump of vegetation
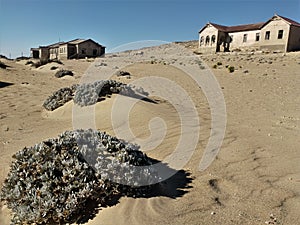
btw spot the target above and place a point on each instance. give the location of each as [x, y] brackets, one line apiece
[231, 69]
[215, 66]
[53, 67]
[42, 62]
[123, 73]
[3, 65]
[54, 181]
[29, 63]
[62, 73]
[219, 63]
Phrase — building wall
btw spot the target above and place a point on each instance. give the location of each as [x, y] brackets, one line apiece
[63, 51]
[238, 39]
[53, 53]
[89, 49]
[209, 46]
[44, 53]
[274, 43]
[294, 39]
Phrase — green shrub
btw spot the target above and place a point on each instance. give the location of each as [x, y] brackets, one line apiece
[231, 69]
[215, 66]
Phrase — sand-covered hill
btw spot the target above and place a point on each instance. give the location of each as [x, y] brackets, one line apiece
[256, 175]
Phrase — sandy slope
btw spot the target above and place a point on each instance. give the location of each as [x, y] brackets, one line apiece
[256, 173]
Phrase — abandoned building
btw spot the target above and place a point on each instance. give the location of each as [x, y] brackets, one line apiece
[278, 33]
[75, 49]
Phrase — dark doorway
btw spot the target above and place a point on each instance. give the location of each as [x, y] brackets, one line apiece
[94, 52]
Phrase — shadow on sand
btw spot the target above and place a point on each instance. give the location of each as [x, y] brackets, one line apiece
[5, 84]
[174, 187]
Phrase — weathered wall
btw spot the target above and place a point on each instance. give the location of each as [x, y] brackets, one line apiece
[88, 49]
[209, 31]
[44, 53]
[237, 39]
[274, 43]
[63, 51]
[53, 53]
[294, 39]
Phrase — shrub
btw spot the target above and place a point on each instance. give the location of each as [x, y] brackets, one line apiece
[215, 66]
[42, 62]
[123, 73]
[231, 69]
[2, 65]
[219, 63]
[54, 181]
[29, 63]
[62, 73]
[53, 67]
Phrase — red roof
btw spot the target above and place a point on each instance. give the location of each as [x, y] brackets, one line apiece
[292, 22]
[238, 28]
[247, 27]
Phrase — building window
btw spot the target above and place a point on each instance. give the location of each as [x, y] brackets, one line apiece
[267, 36]
[245, 37]
[213, 39]
[257, 36]
[280, 34]
[207, 40]
[201, 40]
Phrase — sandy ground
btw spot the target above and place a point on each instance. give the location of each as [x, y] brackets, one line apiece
[256, 175]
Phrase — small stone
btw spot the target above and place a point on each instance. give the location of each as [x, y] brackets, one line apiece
[5, 128]
[213, 213]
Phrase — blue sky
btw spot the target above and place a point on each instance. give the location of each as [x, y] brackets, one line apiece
[30, 23]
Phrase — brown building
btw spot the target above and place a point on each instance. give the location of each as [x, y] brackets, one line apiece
[78, 48]
[278, 33]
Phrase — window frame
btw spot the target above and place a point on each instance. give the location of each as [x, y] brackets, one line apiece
[245, 37]
[267, 35]
[257, 36]
[213, 39]
[207, 40]
[280, 34]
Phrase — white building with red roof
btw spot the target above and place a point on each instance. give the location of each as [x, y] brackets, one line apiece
[278, 33]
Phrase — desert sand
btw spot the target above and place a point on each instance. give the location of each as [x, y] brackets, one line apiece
[255, 178]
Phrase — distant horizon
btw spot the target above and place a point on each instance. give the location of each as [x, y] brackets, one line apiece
[114, 23]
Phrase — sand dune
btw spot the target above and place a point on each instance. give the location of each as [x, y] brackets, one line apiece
[256, 172]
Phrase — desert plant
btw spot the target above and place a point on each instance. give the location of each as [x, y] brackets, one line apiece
[53, 181]
[219, 63]
[53, 67]
[231, 69]
[29, 63]
[62, 73]
[3, 65]
[215, 66]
